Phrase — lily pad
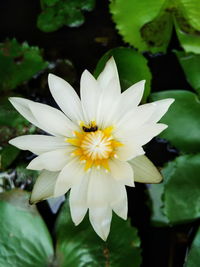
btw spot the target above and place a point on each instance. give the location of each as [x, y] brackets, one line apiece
[25, 240]
[18, 63]
[181, 189]
[80, 246]
[155, 192]
[57, 13]
[191, 66]
[132, 67]
[193, 257]
[150, 29]
[187, 24]
[183, 120]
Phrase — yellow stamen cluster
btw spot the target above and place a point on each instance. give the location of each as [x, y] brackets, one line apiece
[94, 147]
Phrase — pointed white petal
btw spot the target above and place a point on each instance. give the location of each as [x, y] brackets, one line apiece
[52, 120]
[100, 213]
[134, 119]
[131, 98]
[100, 218]
[162, 107]
[22, 106]
[145, 133]
[78, 200]
[107, 107]
[52, 161]
[69, 176]
[129, 150]
[109, 72]
[66, 97]
[118, 200]
[44, 186]
[145, 171]
[122, 172]
[38, 144]
[89, 96]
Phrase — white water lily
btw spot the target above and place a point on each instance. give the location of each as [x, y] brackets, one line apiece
[95, 145]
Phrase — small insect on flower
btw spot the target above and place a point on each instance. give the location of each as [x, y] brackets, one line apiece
[95, 144]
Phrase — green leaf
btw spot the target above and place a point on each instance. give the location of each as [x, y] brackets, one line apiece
[80, 245]
[7, 155]
[25, 240]
[155, 192]
[181, 190]
[145, 28]
[49, 2]
[57, 13]
[18, 63]
[187, 24]
[12, 124]
[49, 20]
[193, 258]
[191, 66]
[183, 120]
[189, 40]
[150, 29]
[132, 67]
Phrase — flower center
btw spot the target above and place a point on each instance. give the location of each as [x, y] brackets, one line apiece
[94, 146]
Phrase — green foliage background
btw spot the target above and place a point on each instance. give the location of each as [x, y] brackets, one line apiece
[145, 29]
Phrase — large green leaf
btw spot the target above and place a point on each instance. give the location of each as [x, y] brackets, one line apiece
[80, 246]
[193, 258]
[191, 66]
[132, 67]
[57, 13]
[183, 120]
[25, 240]
[158, 218]
[18, 63]
[139, 25]
[155, 192]
[150, 29]
[181, 190]
[187, 24]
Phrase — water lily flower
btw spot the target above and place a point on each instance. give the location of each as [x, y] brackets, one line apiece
[95, 144]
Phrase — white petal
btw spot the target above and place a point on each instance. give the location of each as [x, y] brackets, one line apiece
[118, 199]
[78, 200]
[134, 119]
[107, 107]
[69, 176]
[109, 72]
[66, 97]
[52, 161]
[38, 144]
[122, 172]
[52, 120]
[100, 213]
[145, 171]
[145, 133]
[100, 218]
[131, 98]
[162, 107]
[44, 186]
[89, 96]
[22, 106]
[129, 150]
